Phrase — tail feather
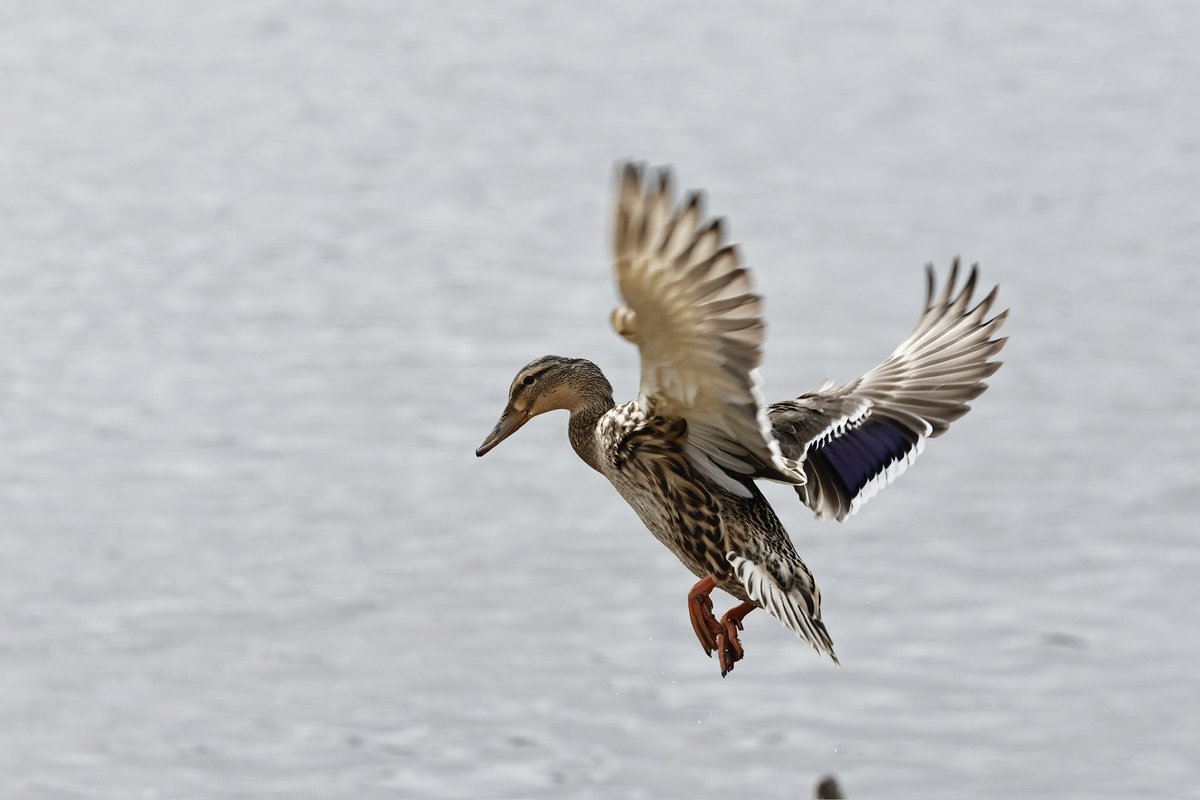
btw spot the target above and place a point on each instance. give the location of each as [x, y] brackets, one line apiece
[789, 593]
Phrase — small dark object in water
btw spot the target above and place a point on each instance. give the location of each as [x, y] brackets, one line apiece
[828, 789]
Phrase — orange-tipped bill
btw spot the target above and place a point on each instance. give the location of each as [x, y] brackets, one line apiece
[510, 420]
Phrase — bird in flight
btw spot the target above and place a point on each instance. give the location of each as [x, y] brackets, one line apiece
[686, 453]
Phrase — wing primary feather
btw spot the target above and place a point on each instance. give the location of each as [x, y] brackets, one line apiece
[689, 307]
[923, 387]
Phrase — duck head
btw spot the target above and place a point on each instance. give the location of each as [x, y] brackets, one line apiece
[544, 384]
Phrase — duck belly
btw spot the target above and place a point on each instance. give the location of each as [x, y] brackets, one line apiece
[684, 514]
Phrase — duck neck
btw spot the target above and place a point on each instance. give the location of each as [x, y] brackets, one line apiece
[593, 404]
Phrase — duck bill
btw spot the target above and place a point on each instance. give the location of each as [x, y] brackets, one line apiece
[506, 427]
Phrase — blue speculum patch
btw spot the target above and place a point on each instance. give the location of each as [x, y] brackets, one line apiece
[861, 454]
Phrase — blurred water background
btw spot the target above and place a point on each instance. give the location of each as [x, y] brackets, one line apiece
[266, 269]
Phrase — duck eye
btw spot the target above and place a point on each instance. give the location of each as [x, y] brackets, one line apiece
[528, 380]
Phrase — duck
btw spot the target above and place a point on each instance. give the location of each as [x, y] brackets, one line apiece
[686, 454]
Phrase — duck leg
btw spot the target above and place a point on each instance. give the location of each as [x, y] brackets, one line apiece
[729, 647]
[700, 609]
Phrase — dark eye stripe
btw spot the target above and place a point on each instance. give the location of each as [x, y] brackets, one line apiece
[521, 386]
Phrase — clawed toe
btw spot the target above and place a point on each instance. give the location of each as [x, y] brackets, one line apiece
[700, 611]
[729, 646]
[704, 623]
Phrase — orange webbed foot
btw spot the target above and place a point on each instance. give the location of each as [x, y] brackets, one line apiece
[729, 646]
[721, 636]
[700, 610]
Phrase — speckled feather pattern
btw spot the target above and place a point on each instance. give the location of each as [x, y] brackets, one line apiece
[738, 540]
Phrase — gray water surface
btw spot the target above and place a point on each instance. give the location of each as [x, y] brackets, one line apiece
[267, 268]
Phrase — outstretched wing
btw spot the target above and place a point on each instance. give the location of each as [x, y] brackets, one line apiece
[690, 309]
[855, 439]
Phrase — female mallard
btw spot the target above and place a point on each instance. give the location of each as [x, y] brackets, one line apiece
[685, 454]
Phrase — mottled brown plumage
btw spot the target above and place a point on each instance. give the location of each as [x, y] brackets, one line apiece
[685, 454]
